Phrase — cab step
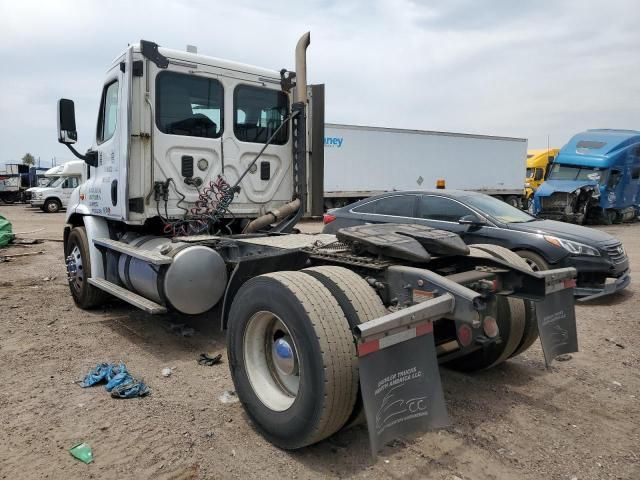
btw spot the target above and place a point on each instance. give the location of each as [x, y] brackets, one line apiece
[129, 297]
[151, 257]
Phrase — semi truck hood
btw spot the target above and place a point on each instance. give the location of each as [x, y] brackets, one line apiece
[566, 186]
[569, 231]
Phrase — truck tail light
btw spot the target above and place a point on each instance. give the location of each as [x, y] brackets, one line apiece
[465, 335]
[328, 218]
[490, 326]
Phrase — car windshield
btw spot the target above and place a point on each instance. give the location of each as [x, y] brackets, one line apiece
[498, 209]
[575, 172]
[58, 182]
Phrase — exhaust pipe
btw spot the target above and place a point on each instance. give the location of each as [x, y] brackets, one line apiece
[273, 216]
[301, 67]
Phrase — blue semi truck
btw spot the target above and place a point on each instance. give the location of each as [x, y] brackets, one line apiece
[594, 179]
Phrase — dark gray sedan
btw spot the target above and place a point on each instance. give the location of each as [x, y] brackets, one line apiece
[600, 258]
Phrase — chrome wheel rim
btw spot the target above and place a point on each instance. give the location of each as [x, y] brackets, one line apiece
[52, 207]
[534, 266]
[271, 361]
[75, 270]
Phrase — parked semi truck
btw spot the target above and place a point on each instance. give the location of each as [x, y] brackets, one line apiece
[198, 173]
[538, 163]
[55, 196]
[364, 161]
[595, 178]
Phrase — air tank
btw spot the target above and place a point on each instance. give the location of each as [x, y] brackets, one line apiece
[192, 283]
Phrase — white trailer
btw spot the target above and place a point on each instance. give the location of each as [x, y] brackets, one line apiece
[363, 161]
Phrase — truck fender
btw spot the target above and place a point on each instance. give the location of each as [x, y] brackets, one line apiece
[250, 267]
[74, 206]
[96, 227]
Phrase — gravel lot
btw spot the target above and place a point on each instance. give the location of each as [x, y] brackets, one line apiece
[580, 419]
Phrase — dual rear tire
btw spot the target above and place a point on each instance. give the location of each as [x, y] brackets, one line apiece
[292, 354]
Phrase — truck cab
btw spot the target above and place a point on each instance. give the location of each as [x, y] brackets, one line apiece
[595, 178]
[538, 161]
[54, 197]
[44, 181]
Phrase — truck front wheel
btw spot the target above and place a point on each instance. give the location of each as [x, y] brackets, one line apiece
[52, 206]
[78, 263]
[292, 358]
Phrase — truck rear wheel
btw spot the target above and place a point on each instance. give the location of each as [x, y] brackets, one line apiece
[530, 332]
[292, 358]
[52, 206]
[512, 200]
[359, 303]
[78, 263]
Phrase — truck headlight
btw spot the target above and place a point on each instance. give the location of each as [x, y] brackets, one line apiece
[574, 248]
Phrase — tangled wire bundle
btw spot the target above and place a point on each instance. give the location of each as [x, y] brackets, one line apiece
[207, 213]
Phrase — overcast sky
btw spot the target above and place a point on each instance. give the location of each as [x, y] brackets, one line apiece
[498, 67]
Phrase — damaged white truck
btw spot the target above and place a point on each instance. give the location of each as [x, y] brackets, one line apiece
[198, 173]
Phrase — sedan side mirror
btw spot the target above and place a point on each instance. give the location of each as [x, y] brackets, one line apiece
[67, 133]
[471, 220]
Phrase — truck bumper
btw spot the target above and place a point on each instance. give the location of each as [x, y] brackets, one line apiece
[36, 203]
[611, 285]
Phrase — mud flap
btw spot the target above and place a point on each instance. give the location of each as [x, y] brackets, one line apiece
[400, 384]
[556, 318]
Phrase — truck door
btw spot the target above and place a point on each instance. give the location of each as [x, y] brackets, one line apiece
[104, 190]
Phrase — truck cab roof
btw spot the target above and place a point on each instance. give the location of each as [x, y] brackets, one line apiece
[195, 59]
[598, 147]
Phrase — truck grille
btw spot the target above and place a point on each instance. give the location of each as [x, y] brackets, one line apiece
[616, 252]
[557, 201]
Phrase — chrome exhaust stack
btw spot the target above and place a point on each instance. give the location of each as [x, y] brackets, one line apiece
[301, 67]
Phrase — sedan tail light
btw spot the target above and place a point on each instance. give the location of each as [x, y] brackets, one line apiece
[328, 218]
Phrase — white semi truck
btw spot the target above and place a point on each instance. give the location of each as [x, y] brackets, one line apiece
[198, 173]
[55, 196]
[363, 161]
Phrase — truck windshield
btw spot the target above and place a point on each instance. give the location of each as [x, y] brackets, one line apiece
[498, 209]
[576, 172]
[58, 182]
[47, 181]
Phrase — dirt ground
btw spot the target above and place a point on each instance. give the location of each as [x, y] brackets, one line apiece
[578, 420]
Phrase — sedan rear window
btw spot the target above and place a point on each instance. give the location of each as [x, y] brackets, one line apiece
[397, 205]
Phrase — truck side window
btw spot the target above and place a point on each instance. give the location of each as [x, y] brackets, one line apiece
[614, 179]
[258, 112]
[635, 173]
[108, 118]
[539, 174]
[433, 207]
[189, 105]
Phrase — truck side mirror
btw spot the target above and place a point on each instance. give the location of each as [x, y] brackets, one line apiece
[67, 133]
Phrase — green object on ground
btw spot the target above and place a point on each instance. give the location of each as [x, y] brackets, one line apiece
[82, 451]
[6, 234]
